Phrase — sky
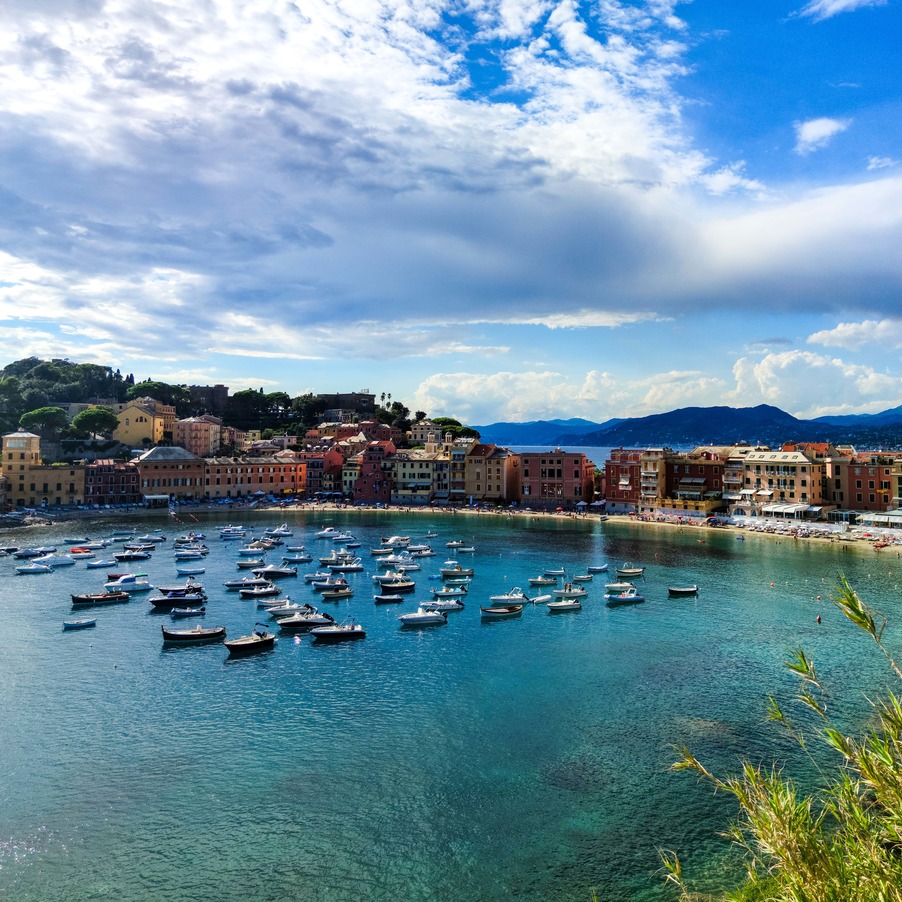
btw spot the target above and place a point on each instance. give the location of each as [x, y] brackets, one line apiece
[499, 211]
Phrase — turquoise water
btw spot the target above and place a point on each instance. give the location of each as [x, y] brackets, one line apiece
[475, 761]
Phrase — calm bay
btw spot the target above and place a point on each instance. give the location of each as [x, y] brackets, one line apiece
[472, 761]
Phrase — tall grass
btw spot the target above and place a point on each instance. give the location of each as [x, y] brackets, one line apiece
[842, 843]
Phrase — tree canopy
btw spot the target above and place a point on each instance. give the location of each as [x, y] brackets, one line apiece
[95, 421]
[44, 420]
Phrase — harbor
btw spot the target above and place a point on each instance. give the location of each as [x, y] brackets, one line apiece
[490, 758]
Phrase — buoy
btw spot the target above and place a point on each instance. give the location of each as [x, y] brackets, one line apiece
[818, 598]
[818, 618]
[772, 585]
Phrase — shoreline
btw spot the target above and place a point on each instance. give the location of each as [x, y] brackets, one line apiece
[877, 540]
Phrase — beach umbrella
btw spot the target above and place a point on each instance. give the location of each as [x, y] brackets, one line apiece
[581, 503]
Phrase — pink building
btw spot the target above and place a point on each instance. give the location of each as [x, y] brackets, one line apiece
[202, 436]
[556, 478]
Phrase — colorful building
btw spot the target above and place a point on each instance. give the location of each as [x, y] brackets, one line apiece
[557, 478]
[112, 482]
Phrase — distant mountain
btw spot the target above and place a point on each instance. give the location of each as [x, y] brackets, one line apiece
[538, 432]
[890, 417]
[692, 426]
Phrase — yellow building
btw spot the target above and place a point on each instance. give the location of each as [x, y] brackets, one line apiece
[139, 425]
[32, 483]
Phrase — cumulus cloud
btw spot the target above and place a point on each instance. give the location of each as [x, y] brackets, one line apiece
[825, 9]
[815, 134]
[786, 380]
[856, 336]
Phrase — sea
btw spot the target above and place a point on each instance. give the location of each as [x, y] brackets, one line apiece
[520, 759]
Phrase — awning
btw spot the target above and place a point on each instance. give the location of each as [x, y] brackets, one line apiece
[747, 492]
[767, 492]
[624, 480]
[693, 480]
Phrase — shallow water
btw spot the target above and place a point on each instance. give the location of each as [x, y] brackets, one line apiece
[472, 761]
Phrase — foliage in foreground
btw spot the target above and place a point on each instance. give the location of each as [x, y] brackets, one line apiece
[841, 844]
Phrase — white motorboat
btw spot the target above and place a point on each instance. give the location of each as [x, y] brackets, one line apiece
[554, 571]
[249, 582]
[274, 571]
[542, 580]
[450, 592]
[512, 596]
[304, 620]
[423, 617]
[338, 632]
[621, 585]
[128, 582]
[453, 569]
[597, 568]
[30, 569]
[443, 604]
[564, 604]
[629, 569]
[55, 560]
[569, 591]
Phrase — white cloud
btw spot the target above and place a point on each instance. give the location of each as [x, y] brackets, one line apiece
[881, 334]
[825, 9]
[881, 163]
[790, 380]
[815, 134]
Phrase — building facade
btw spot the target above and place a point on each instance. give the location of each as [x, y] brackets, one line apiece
[557, 478]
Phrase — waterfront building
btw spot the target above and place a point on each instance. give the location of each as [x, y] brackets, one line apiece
[623, 480]
[170, 474]
[416, 475]
[492, 474]
[201, 436]
[241, 477]
[374, 484]
[558, 478]
[867, 481]
[112, 482]
[653, 481]
[457, 450]
[783, 484]
[33, 483]
[322, 464]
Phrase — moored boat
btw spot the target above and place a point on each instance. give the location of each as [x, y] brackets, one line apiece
[259, 640]
[193, 636]
[629, 596]
[629, 570]
[500, 612]
[564, 604]
[423, 617]
[338, 632]
[100, 598]
[85, 623]
[682, 591]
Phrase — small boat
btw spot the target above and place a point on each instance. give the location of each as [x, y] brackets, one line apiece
[274, 571]
[582, 578]
[151, 537]
[443, 604]
[554, 571]
[630, 596]
[682, 591]
[189, 555]
[453, 569]
[259, 640]
[542, 580]
[395, 583]
[339, 593]
[597, 568]
[177, 613]
[450, 592]
[84, 624]
[190, 571]
[29, 569]
[100, 598]
[338, 632]
[195, 635]
[283, 530]
[248, 582]
[499, 612]
[423, 617]
[466, 549]
[511, 596]
[630, 570]
[391, 598]
[455, 543]
[288, 609]
[299, 558]
[330, 582]
[80, 552]
[570, 591]
[620, 586]
[317, 577]
[268, 591]
[26, 553]
[304, 620]
[100, 565]
[55, 560]
[395, 541]
[125, 556]
[128, 582]
[187, 588]
[168, 602]
[326, 533]
[250, 563]
[355, 565]
[564, 604]
[540, 599]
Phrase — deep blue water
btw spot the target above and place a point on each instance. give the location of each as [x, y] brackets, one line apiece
[475, 761]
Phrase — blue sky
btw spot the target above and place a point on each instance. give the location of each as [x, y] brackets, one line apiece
[495, 211]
